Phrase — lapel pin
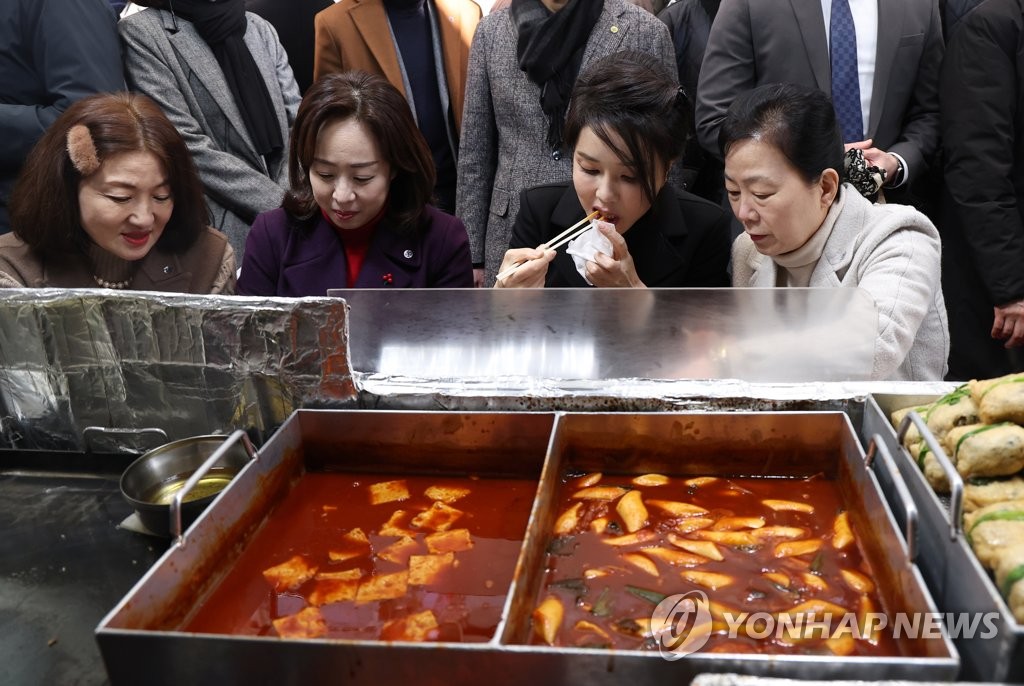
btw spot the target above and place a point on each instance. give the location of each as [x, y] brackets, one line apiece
[387, 278]
[408, 254]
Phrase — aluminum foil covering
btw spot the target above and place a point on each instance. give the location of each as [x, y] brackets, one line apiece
[187, 365]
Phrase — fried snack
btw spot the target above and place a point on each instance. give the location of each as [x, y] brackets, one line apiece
[650, 480]
[357, 544]
[913, 435]
[731, 538]
[979, 495]
[425, 570]
[788, 506]
[711, 580]
[1009, 575]
[446, 494]
[567, 521]
[676, 558]
[591, 479]
[307, 623]
[421, 626]
[992, 528]
[631, 508]
[347, 575]
[678, 509]
[642, 563]
[692, 524]
[857, 581]
[794, 548]
[929, 465]
[333, 590]
[453, 541]
[599, 493]
[842, 534]
[956, 408]
[393, 526]
[290, 574]
[382, 587]
[547, 619]
[388, 491]
[584, 625]
[706, 549]
[934, 474]
[814, 581]
[986, 449]
[439, 517]
[1000, 399]
[399, 551]
[736, 523]
[776, 531]
[642, 536]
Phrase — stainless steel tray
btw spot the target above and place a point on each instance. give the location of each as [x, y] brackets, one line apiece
[960, 585]
[141, 637]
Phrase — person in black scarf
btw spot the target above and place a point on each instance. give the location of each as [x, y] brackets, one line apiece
[221, 23]
[221, 75]
[523, 63]
[552, 37]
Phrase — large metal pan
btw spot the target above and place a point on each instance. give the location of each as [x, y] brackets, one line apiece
[961, 586]
[141, 638]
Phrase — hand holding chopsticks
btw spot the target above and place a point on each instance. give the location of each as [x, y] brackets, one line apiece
[558, 241]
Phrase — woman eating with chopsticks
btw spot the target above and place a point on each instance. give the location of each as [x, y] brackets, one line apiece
[618, 224]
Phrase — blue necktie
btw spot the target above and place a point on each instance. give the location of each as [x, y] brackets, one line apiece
[845, 84]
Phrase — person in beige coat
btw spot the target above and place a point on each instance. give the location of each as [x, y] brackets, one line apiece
[110, 198]
[422, 48]
[803, 227]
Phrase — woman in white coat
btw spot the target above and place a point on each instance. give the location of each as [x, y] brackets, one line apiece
[804, 227]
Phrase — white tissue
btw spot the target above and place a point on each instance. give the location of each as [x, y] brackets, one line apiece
[584, 247]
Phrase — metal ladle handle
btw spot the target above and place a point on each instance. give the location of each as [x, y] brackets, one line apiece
[956, 482]
[877, 447]
[179, 497]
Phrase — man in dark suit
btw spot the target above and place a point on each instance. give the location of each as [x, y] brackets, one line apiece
[422, 48]
[898, 52]
[982, 226]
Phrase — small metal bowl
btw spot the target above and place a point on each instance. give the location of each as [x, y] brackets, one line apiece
[151, 482]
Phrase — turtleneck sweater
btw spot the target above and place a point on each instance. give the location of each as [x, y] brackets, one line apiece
[356, 243]
[796, 266]
[110, 268]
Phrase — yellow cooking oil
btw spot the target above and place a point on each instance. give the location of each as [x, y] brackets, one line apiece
[213, 482]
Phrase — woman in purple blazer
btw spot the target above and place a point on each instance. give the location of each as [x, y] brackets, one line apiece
[356, 214]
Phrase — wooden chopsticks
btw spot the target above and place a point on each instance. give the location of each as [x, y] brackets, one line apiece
[558, 241]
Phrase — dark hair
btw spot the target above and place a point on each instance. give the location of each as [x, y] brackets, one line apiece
[44, 204]
[798, 120]
[374, 102]
[634, 95]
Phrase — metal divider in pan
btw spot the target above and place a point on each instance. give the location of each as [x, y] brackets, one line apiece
[963, 589]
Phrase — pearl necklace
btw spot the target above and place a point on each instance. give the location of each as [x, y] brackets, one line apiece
[112, 284]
